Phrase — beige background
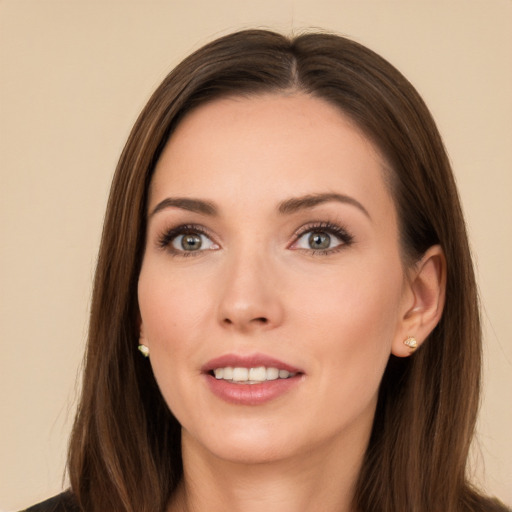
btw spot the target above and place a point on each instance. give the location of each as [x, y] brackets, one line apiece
[74, 75]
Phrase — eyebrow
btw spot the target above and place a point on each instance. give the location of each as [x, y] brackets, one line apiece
[310, 201]
[185, 203]
[286, 207]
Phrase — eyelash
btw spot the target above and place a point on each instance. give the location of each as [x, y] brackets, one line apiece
[329, 228]
[167, 237]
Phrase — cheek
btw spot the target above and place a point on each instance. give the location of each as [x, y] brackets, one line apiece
[351, 320]
[353, 300]
[170, 311]
[170, 307]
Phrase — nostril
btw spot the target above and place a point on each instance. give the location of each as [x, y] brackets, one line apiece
[258, 320]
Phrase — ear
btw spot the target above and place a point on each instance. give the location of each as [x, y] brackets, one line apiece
[142, 336]
[423, 300]
[143, 344]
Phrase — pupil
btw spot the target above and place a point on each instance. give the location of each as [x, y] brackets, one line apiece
[191, 242]
[319, 240]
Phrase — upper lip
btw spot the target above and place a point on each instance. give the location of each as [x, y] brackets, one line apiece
[247, 361]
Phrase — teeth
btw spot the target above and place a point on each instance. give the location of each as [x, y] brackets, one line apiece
[272, 373]
[250, 375]
[240, 374]
[259, 374]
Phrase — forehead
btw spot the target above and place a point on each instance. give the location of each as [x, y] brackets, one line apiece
[268, 147]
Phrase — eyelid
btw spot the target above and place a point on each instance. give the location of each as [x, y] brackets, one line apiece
[167, 236]
[341, 233]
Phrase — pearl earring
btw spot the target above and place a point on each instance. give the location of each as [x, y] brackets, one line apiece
[411, 343]
[144, 350]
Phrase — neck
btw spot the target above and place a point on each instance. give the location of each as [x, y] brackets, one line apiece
[322, 479]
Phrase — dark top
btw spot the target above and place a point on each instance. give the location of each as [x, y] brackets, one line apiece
[64, 502]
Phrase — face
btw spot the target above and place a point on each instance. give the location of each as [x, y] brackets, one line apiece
[271, 288]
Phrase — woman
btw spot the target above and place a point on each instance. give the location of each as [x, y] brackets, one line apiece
[284, 240]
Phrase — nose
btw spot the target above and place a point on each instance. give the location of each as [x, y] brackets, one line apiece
[250, 296]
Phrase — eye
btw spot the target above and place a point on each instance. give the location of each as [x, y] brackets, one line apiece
[317, 240]
[322, 238]
[192, 242]
[184, 240]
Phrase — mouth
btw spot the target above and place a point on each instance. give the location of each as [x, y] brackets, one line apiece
[255, 375]
[250, 380]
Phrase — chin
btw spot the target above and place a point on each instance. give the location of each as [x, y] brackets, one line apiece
[246, 445]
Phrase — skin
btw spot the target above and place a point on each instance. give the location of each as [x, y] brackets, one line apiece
[256, 286]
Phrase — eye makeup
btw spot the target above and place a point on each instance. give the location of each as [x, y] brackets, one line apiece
[320, 232]
[167, 238]
[325, 238]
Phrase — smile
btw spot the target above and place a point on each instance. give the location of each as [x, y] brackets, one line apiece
[250, 379]
[240, 375]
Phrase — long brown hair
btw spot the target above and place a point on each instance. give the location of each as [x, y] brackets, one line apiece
[125, 449]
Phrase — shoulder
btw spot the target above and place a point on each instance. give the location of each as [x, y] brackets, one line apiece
[64, 502]
[478, 503]
[495, 505]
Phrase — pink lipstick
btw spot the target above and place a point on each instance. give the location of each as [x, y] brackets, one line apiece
[250, 380]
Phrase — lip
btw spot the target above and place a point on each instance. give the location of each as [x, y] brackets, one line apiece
[248, 361]
[250, 394]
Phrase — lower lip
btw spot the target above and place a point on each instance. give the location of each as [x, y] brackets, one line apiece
[250, 394]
